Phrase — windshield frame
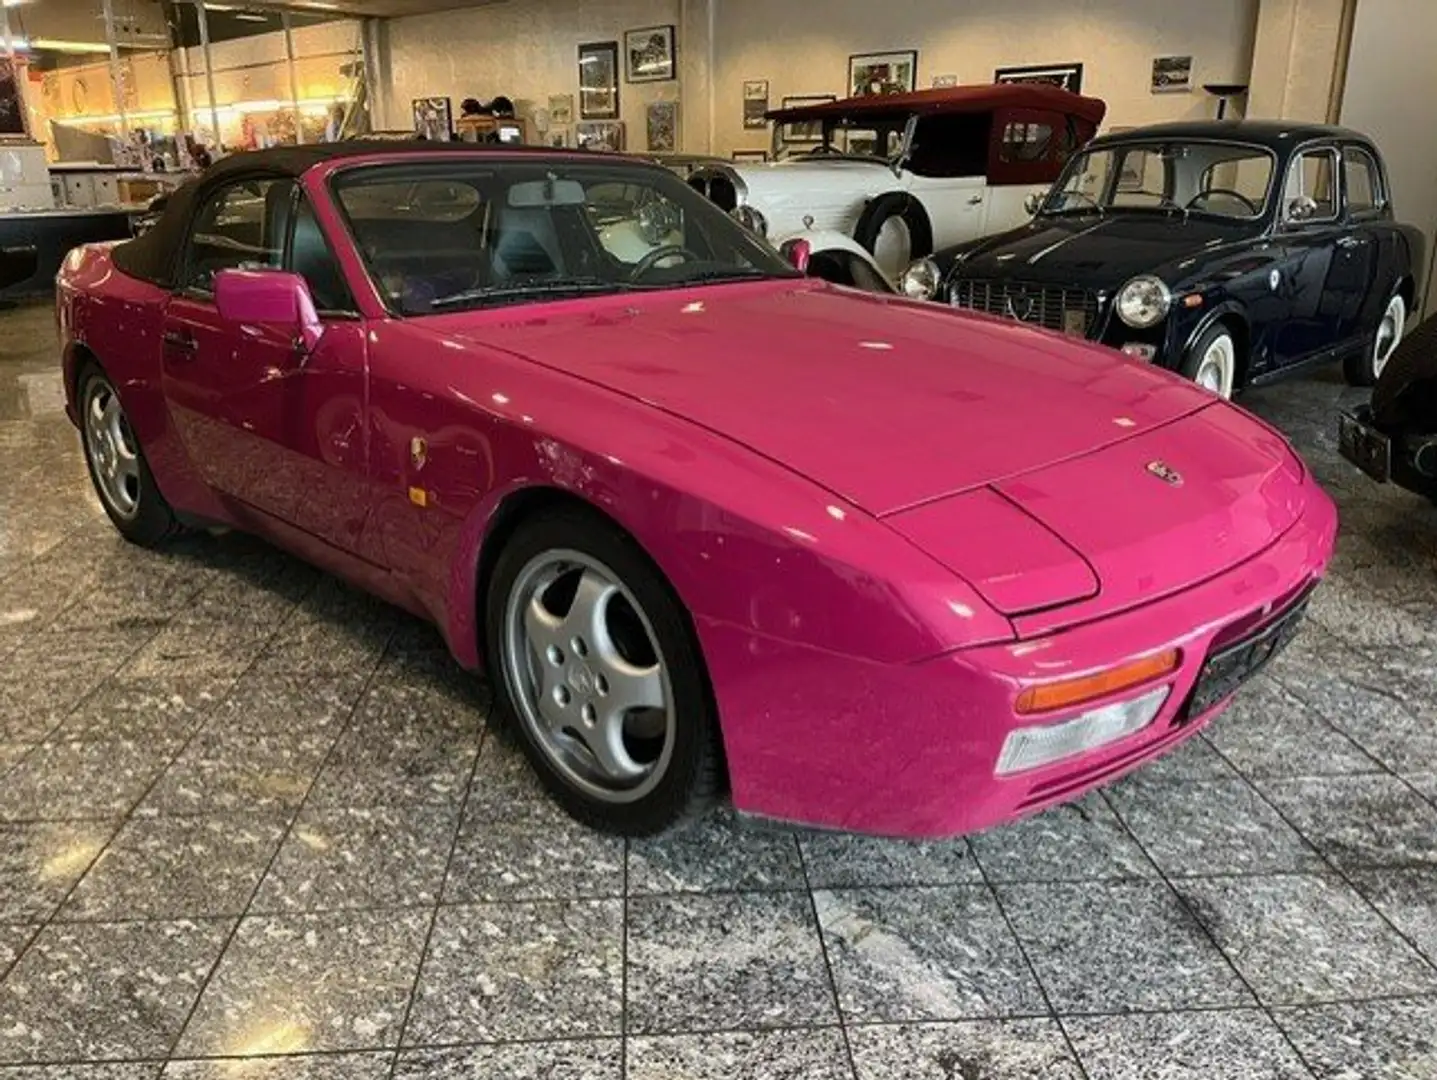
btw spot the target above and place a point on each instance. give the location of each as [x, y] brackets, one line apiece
[1129, 142]
[452, 166]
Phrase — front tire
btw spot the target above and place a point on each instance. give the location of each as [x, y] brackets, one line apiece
[1212, 361]
[117, 464]
[1364, 369]
[593, 660]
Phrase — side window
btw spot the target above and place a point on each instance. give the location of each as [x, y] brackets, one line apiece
[950, 145]
[1026, 142]
[1361, 180]
[240, 225]
[1311, 193]
[311, 257]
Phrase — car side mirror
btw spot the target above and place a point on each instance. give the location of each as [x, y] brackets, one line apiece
[272, 298]
[796, 253]
[1033, 203]
[1302, 208]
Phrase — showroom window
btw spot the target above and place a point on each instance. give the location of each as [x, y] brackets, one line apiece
[1361, 180]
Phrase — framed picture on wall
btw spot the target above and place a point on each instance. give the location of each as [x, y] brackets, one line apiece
[662, 121]
[12, 107]
[750, 155]
[1066, 76]
[558, 137]
[1172, 74]
[808, 132]
[755, 103]
[649, 54]
[599, 80]
[882, 73]
[561, 109]
[433, 118]
[599, 135]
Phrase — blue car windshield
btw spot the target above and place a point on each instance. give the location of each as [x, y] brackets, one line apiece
[1212, 178]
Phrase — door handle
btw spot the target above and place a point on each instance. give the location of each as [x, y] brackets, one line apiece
[975, 200]
[179, 341]
[1349, 242]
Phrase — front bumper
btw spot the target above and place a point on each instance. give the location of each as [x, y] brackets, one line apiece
[910, 749]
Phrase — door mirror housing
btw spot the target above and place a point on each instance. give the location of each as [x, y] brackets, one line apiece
[796, 253]
[273, 298]
[1303, 208]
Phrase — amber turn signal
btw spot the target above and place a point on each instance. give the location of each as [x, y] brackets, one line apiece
[1069, 692]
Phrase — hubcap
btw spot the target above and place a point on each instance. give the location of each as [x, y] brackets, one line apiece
[114, 454]
[1389, 333]
[1215, 373]
[893, 247]
[587, 677]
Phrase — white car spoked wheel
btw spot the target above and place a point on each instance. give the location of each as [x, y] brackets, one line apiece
[893, 249]
[1366, 370]
[593, 659]
[1212, 362]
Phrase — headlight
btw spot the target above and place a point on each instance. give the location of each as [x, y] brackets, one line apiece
[750, 219]
[1144, 301]
[920, 281]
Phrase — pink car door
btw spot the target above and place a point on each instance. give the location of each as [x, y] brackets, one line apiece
[276, 429]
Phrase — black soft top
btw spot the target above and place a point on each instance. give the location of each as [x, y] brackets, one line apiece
[1275, 135]
[152, 256]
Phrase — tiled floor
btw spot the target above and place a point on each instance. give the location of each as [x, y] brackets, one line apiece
[245, 811]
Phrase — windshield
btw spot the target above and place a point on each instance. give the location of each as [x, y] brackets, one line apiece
[1216, 179]
[445, 236]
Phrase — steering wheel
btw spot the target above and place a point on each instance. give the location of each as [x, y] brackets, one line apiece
[1253, 208]
[658, 255]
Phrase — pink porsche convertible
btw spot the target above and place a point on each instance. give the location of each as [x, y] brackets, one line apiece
[869, 564]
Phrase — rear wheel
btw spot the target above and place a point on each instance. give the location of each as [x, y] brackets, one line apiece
[117, 464]
[593, 659]
[1364, 369]
[1212, 361]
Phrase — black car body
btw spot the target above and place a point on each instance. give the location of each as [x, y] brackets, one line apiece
[1394, 438]
[1279, 238]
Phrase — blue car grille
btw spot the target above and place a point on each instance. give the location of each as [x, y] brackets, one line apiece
[1069, 311]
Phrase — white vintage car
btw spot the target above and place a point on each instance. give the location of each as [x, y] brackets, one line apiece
[904, 174]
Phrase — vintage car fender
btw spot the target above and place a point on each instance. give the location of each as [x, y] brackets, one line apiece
[827, 240]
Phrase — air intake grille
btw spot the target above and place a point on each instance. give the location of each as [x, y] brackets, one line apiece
[1070, 311]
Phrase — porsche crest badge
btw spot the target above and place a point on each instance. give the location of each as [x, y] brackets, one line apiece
[1166, 473]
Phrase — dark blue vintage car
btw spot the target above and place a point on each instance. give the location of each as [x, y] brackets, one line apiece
[1230, 251]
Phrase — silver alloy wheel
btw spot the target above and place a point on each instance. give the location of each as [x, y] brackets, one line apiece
[114, 454]
[587, 677]
[1218, 366]
[1389, 333]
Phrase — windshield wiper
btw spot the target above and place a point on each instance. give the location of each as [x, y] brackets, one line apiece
[727, 273]
[561, 287]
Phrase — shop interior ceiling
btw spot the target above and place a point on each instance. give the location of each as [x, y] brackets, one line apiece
[382, 8]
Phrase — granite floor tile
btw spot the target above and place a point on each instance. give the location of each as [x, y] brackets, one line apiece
[359, 858]
[979, 1049]
[505, 785]
[223, 770]
[1425, 784]
[1390, 731]
[105, 991]
[544, 855]
[72, 1071]
[1306, 939]
[1235, 1045]
[1408, 898]
[1212, 827]
[715, 854]
[1193, 760]
[924, 954]
[1270, 732]
[155, 591]
[1360, 821]
[143, 710]
[84, 656]
[1375, 1040]
[802, 1054]
[59, 781]
[279, 703]
[725, 961]
[374, 1066]
[521, 971]
[334, 981]
[335, 630]
[13, 940]
[848, 861]
[1078, 841]
[217, 648]
[11, 753]
[177, 867]
[40, 862]
[32, 705]
[1113, 946]
[572, 1059]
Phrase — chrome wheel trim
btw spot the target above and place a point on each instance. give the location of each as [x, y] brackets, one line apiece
[114, 453]
[1389, 333]
[1218, 366]
[578, 693]
[893, 247]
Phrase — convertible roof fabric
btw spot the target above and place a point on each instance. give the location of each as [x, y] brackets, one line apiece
[950, 99]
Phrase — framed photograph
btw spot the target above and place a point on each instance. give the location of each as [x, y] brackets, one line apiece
[662, 118]
[599, 80]
[882, 73]
[1172, 74]
[433, 118]
[558, 137]
[755, 103]
[649, 54]
[944, 82]
[1066, 76]
[750, 155]
[561, 109]
[808, 132]
[600, 135]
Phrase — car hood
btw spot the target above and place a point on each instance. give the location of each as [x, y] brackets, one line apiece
[885, 402]
[1101, 252]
